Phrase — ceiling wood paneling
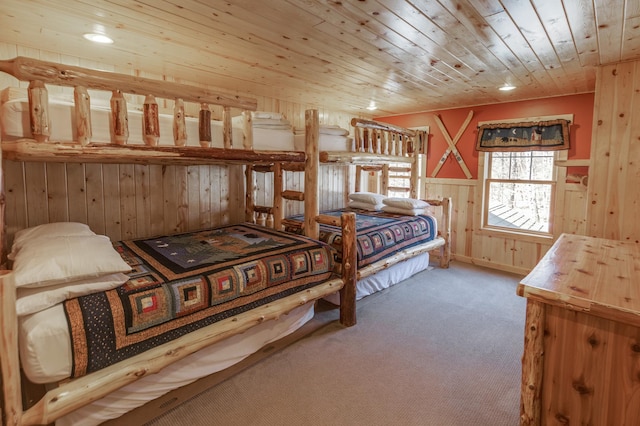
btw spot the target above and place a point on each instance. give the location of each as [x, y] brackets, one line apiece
[405, 55]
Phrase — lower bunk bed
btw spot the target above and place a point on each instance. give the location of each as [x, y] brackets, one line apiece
[391, 247]
[175, 304]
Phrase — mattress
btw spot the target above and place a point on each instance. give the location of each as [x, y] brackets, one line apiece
[207, 361]
[15, 125]
[178, 284]
[387, 277]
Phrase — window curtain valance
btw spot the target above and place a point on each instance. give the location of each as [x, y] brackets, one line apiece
[549, 135]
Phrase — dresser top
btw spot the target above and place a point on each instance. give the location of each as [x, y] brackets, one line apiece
[588, 274]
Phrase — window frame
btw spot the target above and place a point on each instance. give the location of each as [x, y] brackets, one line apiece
[487, 180]
[559, 175]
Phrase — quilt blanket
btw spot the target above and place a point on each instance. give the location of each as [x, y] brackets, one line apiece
[379, 234]
[184, 282]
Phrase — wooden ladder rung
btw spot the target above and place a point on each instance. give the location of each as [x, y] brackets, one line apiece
[263, 168]
[293, 195]
[293, 167]
[400, 169]
[371, 168]
[263, 209]
[292, 224]
[399, 188]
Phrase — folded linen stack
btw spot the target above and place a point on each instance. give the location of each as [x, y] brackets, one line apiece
[328, 129]
[366, 201]
[378, 202]
[405, 206]
[270, 120]
[325, 129]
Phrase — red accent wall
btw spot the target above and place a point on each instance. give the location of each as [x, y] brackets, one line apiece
[581, 106]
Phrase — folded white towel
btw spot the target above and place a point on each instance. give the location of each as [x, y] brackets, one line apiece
[333, 130]
[267, 114]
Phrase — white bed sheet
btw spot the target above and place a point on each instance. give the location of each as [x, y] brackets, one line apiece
[15, 125]
[387, 277]
[51, 340]
[207, 361]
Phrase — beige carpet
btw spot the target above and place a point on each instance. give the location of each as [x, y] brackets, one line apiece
[442, 348]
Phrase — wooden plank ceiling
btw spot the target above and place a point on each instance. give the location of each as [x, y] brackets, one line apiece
[404, 55]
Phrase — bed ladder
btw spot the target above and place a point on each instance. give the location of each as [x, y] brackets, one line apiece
[272, 216]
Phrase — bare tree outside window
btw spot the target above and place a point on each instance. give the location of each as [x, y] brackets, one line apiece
[520, 188]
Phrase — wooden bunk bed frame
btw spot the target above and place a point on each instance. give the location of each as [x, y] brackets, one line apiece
[75, 393]
[379, 147]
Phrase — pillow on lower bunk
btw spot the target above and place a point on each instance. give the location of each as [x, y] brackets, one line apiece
[406, 203]
[31, 300]
[365, 206]
[51, 261]
[406, 212]
[47, 230]
[367, 197]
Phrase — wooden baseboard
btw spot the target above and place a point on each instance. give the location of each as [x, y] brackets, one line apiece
[492, 265]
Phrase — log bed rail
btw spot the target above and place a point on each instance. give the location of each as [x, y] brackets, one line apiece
[40, 148]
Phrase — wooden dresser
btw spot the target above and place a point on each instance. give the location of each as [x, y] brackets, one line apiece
[581, 362]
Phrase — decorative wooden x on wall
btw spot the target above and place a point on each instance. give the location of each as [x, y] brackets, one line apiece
[452, 146]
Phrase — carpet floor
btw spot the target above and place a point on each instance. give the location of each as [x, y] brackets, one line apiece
[441, 348]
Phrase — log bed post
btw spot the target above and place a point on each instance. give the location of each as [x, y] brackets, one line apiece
[227, 135]
[179, 123]
[82, 103]
[312, 165]
[349, 270]
[204, 125]
[10, 369]
[277, 196]
[39, 111]
[119, 118]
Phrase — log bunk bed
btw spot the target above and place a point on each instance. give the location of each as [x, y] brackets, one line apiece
[69, 395]
[384, 149]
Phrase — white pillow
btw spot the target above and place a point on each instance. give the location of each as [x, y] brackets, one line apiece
[51, 261]
[367, 197]
[365, 206]
[406, 203]
[47, 230]
[32, 300]
[406, 212]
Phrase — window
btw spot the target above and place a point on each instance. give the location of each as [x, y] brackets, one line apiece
[518, 192]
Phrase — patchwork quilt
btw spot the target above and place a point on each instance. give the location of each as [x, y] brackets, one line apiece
[183, 282]
[379, 234]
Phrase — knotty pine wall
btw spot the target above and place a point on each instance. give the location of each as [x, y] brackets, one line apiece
[130, 201]
[614, 185]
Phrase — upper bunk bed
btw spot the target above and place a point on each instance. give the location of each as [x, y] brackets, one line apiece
[118, 148]
[149, 259]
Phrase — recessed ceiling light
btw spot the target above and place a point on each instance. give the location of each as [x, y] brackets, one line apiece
[372, 106]
[98, 38]
[507, 87]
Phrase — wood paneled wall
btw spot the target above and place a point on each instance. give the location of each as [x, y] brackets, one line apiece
[494, 250]
[614, 181]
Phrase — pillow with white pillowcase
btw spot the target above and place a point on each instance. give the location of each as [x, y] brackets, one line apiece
[47, 230]
[367, 197]
[365, 206]
[56, 260]
[406, 203]
[35, 299]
